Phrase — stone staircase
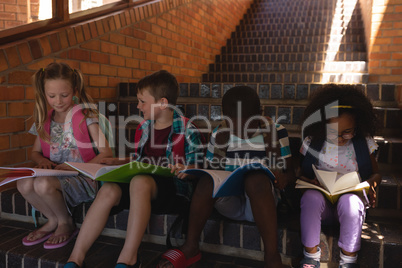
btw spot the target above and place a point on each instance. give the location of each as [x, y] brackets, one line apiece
[284, 50]
[295, 42]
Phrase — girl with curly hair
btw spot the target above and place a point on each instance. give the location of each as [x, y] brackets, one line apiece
[338, 126]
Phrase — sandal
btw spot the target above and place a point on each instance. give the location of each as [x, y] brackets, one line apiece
[45, 236]
[309, 263]
[178, 260]
[71, 235]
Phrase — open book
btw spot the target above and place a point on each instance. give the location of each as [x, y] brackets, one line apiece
[228, 183]
[335, 184]
[9, 174]
[120, 173]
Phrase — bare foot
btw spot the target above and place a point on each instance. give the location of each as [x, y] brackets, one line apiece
[62, 233]
[42, 231]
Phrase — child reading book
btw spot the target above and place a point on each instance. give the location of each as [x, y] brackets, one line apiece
[67, 132]
[163, 137]
[333, 184]
[243, 136]
[339, 124]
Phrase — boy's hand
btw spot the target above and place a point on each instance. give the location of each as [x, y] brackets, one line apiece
[281, 180]
[176, 170]
[113, 161]
[46, 164]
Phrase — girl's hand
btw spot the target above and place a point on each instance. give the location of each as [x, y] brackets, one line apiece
[372, 194]
[64, 167]
[314, 181]
[46, 164]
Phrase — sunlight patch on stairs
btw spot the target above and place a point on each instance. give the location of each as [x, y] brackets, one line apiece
[341, 71]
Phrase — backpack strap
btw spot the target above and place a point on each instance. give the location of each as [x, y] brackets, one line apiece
[311, 158]
[363, 158]
[80, 132]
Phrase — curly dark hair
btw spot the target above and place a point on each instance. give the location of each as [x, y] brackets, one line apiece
[333, 100]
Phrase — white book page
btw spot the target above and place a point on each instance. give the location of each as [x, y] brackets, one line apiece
[359, 186]
[306, 185]
[218, 176]
[53, 172]
[91, 170]
[345, 181]
[326, 178]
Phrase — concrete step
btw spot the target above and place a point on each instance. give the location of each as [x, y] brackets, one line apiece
[267, 20]
[261, 51]
[286, 77]
[380, 239]
[296, 32]
[307, 66]
[300, 25]
[301, 11]
[103, 254]
[278, 54]
[289, 40]
[303, 43]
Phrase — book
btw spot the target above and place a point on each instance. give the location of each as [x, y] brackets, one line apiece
[334, 184]
[230, 183]
[119, 173]
[10, 174]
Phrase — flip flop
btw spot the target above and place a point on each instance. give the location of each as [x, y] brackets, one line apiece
[46, 236]
[178, 260]
[47, 245]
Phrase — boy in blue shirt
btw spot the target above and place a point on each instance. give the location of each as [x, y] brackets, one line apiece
[250, 136]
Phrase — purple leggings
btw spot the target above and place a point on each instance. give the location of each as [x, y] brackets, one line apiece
[316, 209]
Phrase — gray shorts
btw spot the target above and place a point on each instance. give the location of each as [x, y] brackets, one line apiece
[239, 207]
[78, 189]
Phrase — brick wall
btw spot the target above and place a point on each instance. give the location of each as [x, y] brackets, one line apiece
[17, 12]
[385, 58]
[181, 36]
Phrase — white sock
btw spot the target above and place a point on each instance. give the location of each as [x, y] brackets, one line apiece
[347, 259]
[315, 256]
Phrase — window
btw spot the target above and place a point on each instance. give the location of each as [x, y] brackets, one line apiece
[80, 5]
[23, 18]
[16, 13]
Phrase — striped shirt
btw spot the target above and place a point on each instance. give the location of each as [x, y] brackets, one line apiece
[242, 151]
